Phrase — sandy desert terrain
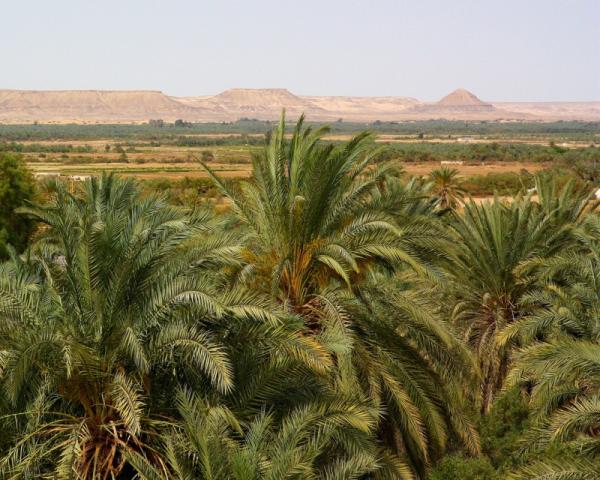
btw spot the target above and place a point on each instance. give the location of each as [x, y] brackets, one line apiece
[94, 106]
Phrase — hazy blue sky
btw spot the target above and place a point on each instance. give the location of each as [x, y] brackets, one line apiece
[501, 50]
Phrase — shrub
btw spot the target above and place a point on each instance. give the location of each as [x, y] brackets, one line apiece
[502, 429]
[17, 187]
[207, 156]
[508, 183]
[455, 467]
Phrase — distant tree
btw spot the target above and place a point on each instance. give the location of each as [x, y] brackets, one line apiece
[123, 157]
[207, 156]
[182, 123]
[17, 186]
[156, 123]
[107, 148]
[447, 187]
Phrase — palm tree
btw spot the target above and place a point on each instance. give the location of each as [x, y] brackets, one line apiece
[118, 295]
[491, 241]
[307, 214]
[447, 187]
[493, 267]
[410, 204]
[566, 398]
[312, 441]
[564, 469]
[568, 203]
[566, 302]
[561, 361]
[318, 221]
[411, 365]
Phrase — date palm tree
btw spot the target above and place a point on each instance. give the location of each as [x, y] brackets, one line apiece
[321, 441]
[566, 399]
[493, 267]
[117, 296]
[307, 214]
[561, 359]
[567, 301]
[564, 469]
[447, 187]
[491, 240]
[318, 221]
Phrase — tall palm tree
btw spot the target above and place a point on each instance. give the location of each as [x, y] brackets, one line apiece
[318, 220]
[411, 364]
[447, 187]
[307, 214]
[117, 296]
[491, 240]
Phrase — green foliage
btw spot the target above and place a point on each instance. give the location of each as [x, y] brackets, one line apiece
[37, 148]
[106, 304]
[455, 467]
[17, 187]
[502, 429]
[503, 184]
[339, 321]
[183, 192]
[160, 129]
[492, 239]
[447, 187]
[319, 226]
[480, 153]
[314, 441]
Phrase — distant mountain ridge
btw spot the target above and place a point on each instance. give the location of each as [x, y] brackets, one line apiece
[118, 106]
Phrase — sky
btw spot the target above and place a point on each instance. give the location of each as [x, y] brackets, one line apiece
[501, 50]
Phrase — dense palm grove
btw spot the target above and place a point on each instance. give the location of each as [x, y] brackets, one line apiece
[340, 321]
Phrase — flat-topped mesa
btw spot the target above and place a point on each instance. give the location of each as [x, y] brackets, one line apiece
[260, 96]
[264, 103]
[65, 105]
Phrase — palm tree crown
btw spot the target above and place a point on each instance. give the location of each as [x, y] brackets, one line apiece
[447, 187]
[113, 297]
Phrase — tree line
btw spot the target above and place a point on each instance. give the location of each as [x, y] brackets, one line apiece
[156, 129]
